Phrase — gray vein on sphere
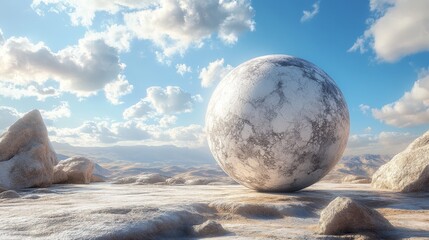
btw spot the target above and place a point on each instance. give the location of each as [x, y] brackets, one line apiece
[248, 144]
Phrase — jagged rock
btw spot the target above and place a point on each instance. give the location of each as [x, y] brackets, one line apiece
[142, 179]
[75, 170]
[207, 229]
[174, 181]
[343, 215]
[408, 171]
[9, 194]
[27, 158]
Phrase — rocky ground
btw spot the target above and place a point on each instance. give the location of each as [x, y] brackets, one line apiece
[129, 211]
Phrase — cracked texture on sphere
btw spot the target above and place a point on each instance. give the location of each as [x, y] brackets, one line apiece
[277, 123]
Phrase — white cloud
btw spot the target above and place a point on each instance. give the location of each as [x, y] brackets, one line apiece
[142, 110]
[8, 115]
[81, 69]
[14, 91]
[171, 99]
[174, 25]
[107, 133]
[182, 69]
[60, 111]
[82, 12]
[308, 15]
[399, 29]
[162, 101]
[364, 108]
[116, 36]
[411, 109]
[117, 89]
[382, 143]
[1, 36]
[214, 72]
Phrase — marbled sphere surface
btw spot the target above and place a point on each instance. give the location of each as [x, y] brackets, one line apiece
[277, 123]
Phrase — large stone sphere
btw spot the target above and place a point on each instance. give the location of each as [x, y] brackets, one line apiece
[277, 123]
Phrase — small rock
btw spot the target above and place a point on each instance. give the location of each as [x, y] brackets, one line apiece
[207, 229]
[408, 171]
[343, 215]
[174, 181]
[9, 194]
[75, 170]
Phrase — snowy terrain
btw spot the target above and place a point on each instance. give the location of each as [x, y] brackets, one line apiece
[110, 211]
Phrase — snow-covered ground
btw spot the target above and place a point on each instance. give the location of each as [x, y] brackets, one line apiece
[111, 211]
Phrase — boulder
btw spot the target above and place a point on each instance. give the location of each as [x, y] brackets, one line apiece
[408, 171]
[209, 228]
[75, 170]
[343, 215]
[9, 194]
[27, 158]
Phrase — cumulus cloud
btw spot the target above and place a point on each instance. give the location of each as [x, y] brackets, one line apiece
[214, 72]
[81, 69]
[364, 108]
[308, 15]
[411, 109]
[382, 143]
[117, 89]
[171, 99]
[82, 12]
[182, 69]
[162, 101]
[60, 111]
[171, 25]
[174, 25]
[108, 133]
[399, 29]
[116, 36]
[15, 91]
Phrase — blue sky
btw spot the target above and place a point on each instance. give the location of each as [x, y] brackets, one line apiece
[124, 72]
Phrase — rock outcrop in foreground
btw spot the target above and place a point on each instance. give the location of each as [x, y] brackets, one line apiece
[74, 170]
[27, 158]
[343, 215]
[408, 171]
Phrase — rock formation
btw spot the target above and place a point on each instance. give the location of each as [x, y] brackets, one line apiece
[9, 194]
[76, 170]
[408, 171]
[343, 215]
[26, 155]
[209, 228]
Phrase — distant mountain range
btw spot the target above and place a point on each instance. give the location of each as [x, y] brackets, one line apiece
[133, 160]
[149, 155]
[357, 165]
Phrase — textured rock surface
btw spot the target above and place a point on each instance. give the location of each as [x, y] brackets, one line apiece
[207, 229]
[9, 194]
[277, 123]
[26, 155]
[77, 170]
[343, 215]
[408, 171]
